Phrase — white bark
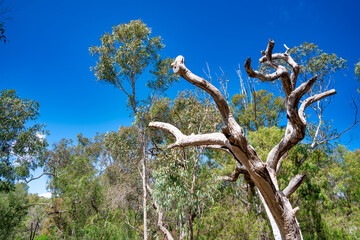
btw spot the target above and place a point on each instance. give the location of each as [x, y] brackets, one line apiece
[274, 226]
[233, 138]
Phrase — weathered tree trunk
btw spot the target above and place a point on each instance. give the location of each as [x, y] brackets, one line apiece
[233, 139]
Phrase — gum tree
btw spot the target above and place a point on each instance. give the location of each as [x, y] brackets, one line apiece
[22, 142]
[123, 57]
[233, 139]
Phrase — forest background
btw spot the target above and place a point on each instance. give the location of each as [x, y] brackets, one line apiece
[46, 58]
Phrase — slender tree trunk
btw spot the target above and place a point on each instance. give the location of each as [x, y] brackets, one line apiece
[143, 163]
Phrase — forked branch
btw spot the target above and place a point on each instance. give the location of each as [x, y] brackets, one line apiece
[182, 140]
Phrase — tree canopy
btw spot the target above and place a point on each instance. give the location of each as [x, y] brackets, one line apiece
[21, 143]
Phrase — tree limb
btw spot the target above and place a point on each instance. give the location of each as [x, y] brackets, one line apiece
[179, 67]
[311, 100]
[288, 59]
[192, 140]
[239, 169]
[32, 179]
[294, 184]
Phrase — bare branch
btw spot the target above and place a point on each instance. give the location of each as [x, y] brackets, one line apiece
[268, 53]
[356, 121]
[294, 184]
[129, 224]
[179, 67]
[295, 210]
[278, 166]
[287, 49]
[311, 100]
[338, 135]
[239, 169]
[281, 73]
[289, 60]
[32, 179]
[303, 88]
[192, 140]
[256, 74]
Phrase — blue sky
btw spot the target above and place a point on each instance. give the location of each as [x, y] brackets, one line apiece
[46, 57]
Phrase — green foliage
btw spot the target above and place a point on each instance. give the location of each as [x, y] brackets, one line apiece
[260, 109]
[232, 221]
[109, 227]
[21, 144]
[125, 54]
[96, 183]
[88, 182]
[357, 70]
[75, 183]
[12, 210]
[329, 210]
[183, 182]
[315, 62]
[264, 139]
[121, 176]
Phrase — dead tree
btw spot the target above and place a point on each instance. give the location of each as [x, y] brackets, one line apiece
[233, 139]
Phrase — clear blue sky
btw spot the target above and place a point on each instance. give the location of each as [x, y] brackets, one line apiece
[46, 57]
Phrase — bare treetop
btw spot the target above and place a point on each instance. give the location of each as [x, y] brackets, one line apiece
[233, 139]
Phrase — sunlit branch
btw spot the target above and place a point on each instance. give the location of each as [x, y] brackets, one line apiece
[179, 67]
[192, 140]
[294, 184]
[311, 100]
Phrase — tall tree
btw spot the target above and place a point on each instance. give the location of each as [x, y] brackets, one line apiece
[22, 143]
[123, 57]
[234, 141]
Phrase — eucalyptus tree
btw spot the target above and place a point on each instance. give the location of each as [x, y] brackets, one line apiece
[233, 140]
[123, 57]
[257, 109]
[184, 183]
[22, 142]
